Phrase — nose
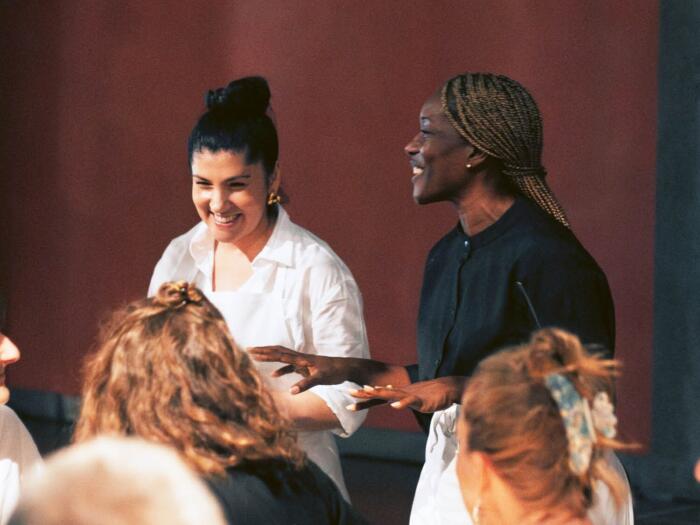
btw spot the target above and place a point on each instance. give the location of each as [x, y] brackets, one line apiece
[9, 353]
[218, 201]
[413, 146]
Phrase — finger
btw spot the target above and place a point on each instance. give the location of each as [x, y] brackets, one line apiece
[303, 385]
[278, 355]
[364, 405]
[378, 392]
[287, 369]
[265, 353]
[406, 402]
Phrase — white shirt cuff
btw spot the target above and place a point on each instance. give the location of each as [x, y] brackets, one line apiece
[337, 397]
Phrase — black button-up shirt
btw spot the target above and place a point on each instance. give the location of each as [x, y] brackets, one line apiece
[492, 290]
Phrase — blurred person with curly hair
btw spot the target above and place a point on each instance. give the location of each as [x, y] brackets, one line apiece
[166, 369]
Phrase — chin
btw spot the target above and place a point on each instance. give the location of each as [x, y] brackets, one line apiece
[225, 239]
[4, 395]
[423, 199]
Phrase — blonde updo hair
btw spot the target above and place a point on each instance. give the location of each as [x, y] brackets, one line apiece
[166, 369]
[513, 419]
[116, 481]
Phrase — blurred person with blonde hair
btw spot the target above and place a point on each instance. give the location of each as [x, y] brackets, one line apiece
[18, 453]
[535, 436]
[166, 369]
[116, 481]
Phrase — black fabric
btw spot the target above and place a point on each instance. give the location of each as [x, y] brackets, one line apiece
[492, 290]
[273, 492]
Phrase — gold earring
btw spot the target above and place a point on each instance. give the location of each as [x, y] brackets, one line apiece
[469, 166]
[273, 198]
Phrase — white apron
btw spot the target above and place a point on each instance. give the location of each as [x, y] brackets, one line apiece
[259, 319]
[438, 499]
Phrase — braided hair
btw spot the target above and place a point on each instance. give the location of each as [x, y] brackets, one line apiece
[497, 115]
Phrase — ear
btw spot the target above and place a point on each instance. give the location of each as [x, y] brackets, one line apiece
[476, 157]
[275, 178]
[483, 470]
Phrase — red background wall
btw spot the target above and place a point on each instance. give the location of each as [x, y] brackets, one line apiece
[98, 99]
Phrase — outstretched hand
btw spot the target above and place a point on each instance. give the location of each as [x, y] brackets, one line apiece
[424, 396]
[316, 369]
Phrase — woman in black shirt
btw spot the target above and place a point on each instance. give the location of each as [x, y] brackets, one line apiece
[510, 266]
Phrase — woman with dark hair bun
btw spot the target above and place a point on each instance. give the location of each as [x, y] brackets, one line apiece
[274, 282]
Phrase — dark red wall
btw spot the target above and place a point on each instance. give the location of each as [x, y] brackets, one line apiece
[98, 99]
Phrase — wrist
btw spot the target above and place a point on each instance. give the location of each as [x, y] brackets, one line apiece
[457, 385]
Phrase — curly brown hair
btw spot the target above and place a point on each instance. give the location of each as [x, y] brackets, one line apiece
[513, 419]
[166, 369]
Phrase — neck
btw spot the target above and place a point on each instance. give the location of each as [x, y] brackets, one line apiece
[253, 243]
[501, 506]
[481, 207]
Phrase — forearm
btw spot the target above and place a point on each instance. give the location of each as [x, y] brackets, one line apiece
[306, 411]
[372, 372]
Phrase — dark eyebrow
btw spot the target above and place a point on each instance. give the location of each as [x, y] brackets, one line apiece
[230, 179]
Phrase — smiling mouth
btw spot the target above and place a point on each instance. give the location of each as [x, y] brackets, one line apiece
[417, 172]
[225, 220]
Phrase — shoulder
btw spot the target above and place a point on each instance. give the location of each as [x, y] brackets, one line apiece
[9, 421]
[539, 242]
[556, 252]
[181, 243]
[16, 443]
[315, 256]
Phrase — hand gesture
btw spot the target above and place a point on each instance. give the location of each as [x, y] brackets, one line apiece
[424, 396]
[316, 369]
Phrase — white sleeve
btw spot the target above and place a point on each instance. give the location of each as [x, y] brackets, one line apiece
[338, 329]
[18, 456]
[160, 275]
[174, 264]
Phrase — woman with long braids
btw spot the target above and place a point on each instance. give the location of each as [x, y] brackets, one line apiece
[167, 370]
[511, 265]
[274, 282]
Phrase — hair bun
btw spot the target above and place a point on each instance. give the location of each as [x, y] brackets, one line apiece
[177, 293]
[245, 97]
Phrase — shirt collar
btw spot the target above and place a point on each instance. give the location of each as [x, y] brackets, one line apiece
[279, 247]
[498, 228]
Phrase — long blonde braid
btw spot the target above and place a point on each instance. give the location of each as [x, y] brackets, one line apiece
[497, 115]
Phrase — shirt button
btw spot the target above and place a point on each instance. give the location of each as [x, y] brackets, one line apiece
[466, 244]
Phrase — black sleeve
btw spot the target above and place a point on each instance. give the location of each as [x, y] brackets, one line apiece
[412, 371]
[565, 290]
[339, 510]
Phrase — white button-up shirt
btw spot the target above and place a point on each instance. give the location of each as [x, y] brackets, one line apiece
[300, 295]
[18, 456]
[438, 497]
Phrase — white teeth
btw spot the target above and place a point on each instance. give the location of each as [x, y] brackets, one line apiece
[417, 170]
[224, 219]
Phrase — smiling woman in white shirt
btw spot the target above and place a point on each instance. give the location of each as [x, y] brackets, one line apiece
[274, 282]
